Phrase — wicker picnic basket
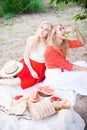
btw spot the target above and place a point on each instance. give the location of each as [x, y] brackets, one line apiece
[45, 107]
[42, 109]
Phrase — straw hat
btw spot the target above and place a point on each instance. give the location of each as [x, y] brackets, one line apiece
[11, 68]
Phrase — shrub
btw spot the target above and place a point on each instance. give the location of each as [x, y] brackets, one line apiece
[1, 11]
[81, 16]
[21, 6]
[36, 6]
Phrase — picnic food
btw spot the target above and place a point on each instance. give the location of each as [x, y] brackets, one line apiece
[41, 109]
[45, 90]
[59, 103]
[18, 97]
[55, 98]
[46, 107]
[35, 96]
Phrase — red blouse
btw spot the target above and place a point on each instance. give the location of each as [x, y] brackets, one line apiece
[56, 59]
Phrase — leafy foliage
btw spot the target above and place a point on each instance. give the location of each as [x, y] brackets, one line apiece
[83, 3]
[21, 6]
[81, 16]
[36, 6]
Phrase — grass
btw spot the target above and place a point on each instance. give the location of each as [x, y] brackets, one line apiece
[2, 25]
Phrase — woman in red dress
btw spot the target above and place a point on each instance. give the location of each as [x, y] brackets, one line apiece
[60, 72]
[34, 60]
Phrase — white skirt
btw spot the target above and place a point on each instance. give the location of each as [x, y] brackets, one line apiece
[74, 80]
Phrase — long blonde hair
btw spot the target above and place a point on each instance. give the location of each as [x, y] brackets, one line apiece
[53, 41]
[37, 38]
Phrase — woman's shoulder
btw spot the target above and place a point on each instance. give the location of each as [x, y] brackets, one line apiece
[31, 38]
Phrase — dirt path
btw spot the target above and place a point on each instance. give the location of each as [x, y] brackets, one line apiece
[14, 32]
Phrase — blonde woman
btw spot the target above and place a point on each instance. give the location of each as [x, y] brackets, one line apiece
[34, 60]
[61, 73]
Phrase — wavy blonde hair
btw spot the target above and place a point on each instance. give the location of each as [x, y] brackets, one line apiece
[37, 38]
[53, 41]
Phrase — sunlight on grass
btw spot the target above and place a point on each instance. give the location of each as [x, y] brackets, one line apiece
[83, 30]
[8, 28]
[69, 17]
[1, 40]
[58, 15]
[33, 27]
[2, 25]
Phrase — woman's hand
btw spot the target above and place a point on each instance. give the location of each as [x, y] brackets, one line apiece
[34, 74]
[78, 34]
[71, 29]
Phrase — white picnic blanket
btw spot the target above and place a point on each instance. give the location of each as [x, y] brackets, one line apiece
[63, 120]
[74, 80]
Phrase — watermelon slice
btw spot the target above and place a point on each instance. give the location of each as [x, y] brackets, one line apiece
[35, 97]
[45, 90]
[17, 97]
[55, 98]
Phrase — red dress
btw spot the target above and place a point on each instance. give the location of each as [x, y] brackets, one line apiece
[58, 60]
[27, 80]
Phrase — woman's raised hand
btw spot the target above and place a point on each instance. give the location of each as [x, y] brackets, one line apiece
[70, 29]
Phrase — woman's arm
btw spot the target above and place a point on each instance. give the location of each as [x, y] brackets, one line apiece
[79, 68]
[79, 35]
[54, 59]
[26, 56]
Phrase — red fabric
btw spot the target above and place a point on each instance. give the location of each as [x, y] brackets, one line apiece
[74, 43]
[27, 80]
[58, 60]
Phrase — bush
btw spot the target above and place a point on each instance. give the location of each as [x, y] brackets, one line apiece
[62, 4]
[82, 2]
[36, 6]
[1, 11]
[22, 6]
[81, 16]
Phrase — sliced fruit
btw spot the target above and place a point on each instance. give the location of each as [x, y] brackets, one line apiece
[46, 90]
[39, 88]
[35, 97]
[55, 98]
[18, 97]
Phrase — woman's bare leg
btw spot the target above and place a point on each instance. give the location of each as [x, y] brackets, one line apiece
[10, 81]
